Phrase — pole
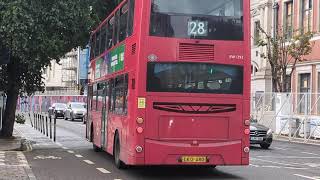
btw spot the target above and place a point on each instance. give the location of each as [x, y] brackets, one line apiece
[47, 126]
[50, 118]
[54, 129]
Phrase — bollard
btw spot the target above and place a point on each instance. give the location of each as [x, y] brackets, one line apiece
[43, 125]
[47, 126]
[54, 129]
[34, 120]
[50, 127]
[41, 130]
[30, 119]
[38, 121]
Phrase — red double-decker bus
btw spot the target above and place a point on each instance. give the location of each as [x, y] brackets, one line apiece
[170, 83]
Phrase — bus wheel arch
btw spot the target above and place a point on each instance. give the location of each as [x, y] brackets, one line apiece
[95, 147]
[116, 151]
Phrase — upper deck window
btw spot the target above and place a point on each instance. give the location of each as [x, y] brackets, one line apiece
[200, 19]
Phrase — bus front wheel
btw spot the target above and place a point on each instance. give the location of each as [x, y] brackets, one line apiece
[116, 153]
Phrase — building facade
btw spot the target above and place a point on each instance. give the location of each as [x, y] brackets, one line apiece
[291, 16]
[261, 11]
[69, 76]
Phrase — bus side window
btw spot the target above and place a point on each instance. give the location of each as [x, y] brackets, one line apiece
[130, 17]
[97, 45]
[116, 28]
[123, 22]
[112, 96]
[125, 95]
[103, 39]
[110, 33]
[94, 97]
[119, 81]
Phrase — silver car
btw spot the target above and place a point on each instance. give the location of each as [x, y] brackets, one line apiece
[75, 110]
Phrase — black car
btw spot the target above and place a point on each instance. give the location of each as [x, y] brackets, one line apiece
[260, 134]
[57, 109]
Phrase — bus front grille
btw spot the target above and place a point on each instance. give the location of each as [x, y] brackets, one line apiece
[188, 51]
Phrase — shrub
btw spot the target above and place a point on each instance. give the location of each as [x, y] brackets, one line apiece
[20, 119]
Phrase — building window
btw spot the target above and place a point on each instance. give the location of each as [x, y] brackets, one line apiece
[288, 83]
[256, 32]
[288, 19]
[304, 93]
[306, 14]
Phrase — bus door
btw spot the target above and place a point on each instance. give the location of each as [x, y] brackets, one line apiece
[104, 117]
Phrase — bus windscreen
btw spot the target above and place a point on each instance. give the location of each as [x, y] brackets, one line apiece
[194, 78]
[197, 19]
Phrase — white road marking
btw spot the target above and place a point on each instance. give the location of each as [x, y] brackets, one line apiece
[254, 165]
[88, 161]
[290, 157]
[1, 160]
[284, 164]
[307, 177]
[79, 156]
[59, 144]
[310, 153]
[279, 148]
[65, 148]
[71, 152]
[104, 171]
[117, 179]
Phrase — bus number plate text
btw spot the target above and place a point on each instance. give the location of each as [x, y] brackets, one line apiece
[194, 159]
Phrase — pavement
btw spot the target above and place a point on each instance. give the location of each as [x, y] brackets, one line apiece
[13, 163]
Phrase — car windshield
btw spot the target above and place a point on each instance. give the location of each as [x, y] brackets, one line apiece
[253, 120]
[197, 19]
[78, 106]
[60, 105]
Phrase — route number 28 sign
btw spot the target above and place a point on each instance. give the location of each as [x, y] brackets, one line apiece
[197, 28]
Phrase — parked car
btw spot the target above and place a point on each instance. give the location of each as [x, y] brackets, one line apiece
[75, 110]
[260, 134]
[57, 109]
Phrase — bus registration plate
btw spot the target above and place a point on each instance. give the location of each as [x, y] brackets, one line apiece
[194, 159]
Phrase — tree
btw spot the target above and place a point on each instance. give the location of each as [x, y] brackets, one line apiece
[283, 52]
[37, 32]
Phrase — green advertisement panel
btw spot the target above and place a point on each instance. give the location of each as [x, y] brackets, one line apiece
[99, 66]
[110, 62]
[117, 59]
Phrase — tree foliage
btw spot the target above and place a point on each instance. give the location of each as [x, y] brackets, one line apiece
[283, 52]
[36, 32]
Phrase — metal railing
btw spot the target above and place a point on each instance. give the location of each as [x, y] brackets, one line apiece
[295, 116]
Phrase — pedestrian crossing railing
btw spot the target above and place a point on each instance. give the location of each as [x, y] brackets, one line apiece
[293, 116]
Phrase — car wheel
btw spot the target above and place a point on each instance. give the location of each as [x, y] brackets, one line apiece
[71, 117]
[116, 153]
[265, 146]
